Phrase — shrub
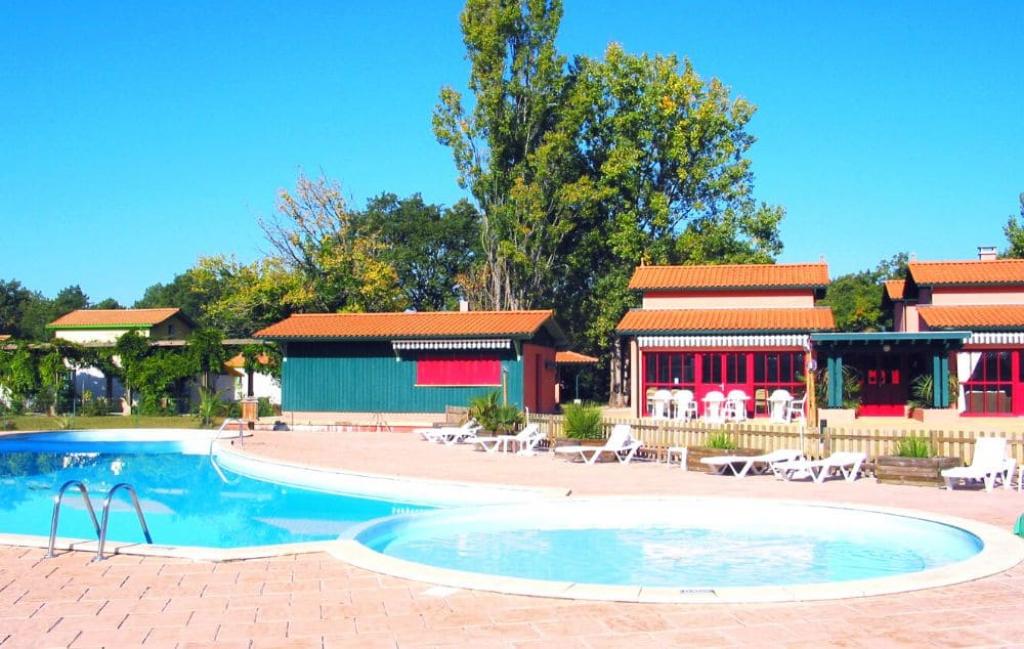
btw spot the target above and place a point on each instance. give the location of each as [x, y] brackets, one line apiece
[914, 447]
[265, 408]
[492, 416]
[583, 421]
[210, 406]
[720, 440]
[94, 406]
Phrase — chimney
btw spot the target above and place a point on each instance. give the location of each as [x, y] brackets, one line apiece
[987, 253]
[463, 305]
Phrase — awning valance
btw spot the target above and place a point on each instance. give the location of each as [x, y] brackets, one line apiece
[763, 340]
[469, 343]
[996, 338]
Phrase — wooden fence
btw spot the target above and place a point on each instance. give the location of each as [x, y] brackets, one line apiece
[658, 435]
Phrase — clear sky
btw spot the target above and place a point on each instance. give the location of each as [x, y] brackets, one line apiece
[135, 137]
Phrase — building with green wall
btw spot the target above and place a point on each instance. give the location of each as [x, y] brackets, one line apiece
[416, 362]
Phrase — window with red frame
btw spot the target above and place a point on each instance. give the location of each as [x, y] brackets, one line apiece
[458, 370]
[989, 390]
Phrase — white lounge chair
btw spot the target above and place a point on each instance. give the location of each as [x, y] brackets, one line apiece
[741, 465]
[989, 465]
[440, 433]
[525, 441]
[620, 443]
[847, 463]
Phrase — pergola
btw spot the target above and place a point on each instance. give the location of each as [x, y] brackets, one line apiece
[937, 345]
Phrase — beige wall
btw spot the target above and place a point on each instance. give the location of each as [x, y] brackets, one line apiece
[83, 336]
[797, 299]
[975, 295]
[172, 329]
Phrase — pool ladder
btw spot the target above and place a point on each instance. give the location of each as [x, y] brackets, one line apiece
[100, 527]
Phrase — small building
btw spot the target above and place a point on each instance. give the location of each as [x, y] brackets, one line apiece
[104, 326]
[415, 362]
[984, 299]
[722, 327]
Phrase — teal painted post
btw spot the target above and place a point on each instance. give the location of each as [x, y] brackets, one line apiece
[936, 380]
[835, 381]
[944, 367]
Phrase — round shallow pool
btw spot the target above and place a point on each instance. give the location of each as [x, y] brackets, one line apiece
[681, 546]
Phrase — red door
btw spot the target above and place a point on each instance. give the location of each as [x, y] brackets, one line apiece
[884, 390]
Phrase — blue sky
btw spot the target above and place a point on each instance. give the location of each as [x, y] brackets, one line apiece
[135, 137]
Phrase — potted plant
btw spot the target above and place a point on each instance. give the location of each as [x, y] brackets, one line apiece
[922, 390]
[914, 463]
[583, 425]
[717, 443]
[493, 417]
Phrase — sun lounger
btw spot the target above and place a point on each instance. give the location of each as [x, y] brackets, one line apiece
[844, 463]
[741, 465]
[988, 465]
[620, 443]
[525, 441]
[441, 433]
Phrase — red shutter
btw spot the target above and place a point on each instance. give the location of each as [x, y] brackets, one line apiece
[465, 370]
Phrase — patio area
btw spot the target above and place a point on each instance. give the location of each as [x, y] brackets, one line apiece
[313, 600]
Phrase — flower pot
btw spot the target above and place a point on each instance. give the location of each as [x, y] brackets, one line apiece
[695, 454]
[920, 471]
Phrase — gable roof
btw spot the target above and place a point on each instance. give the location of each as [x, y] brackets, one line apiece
[733, 320]
[989, 316]
[396, 326]
[895, 289]
[573, 358]
[115, 318]
[967, 272]
[730, 276]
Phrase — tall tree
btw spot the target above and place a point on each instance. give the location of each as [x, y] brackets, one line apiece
[514, 150]
[314, 234]
[13, 299]
[180, 293]
[1014, 231]
[856, 298]
[430, 247]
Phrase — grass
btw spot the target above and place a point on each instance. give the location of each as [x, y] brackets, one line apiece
[43, 422]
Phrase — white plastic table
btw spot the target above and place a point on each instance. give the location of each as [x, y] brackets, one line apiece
[681, 451]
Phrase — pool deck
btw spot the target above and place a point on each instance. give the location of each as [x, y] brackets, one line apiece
[313, 600]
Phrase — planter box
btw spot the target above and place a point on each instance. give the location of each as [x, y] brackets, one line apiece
[837, 415]
[920, 471]
[935, 415]
[694, 455]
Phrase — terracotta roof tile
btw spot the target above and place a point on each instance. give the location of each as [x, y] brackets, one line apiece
[995, 316]
[238, 361]
[113, 318]
[573, 358]
[730, 276]
[713, 320]
[967, 272]
[387, 326]
[895, 289]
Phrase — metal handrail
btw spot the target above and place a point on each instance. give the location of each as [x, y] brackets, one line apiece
[55, 517]
[224, 425]
[106, 516]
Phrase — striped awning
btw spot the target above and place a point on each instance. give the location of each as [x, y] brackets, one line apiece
[764, 340]
[996, 338]
[478, 343]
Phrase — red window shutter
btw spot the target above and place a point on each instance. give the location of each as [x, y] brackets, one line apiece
[463, 370]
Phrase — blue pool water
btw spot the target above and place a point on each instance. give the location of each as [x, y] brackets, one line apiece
[185, 501]
[672, 544]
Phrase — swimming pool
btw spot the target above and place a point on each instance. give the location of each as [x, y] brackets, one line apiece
[676, 549]
[187, 501]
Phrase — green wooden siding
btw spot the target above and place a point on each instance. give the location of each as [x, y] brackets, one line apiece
[367, 377]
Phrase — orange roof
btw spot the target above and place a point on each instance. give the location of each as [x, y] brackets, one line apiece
[730, 276]
[113, 318]
[437, 324]
[715, 320]
[967, 272]
[573, 358]
[238, 361]
[895, 289]
[994, 316]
